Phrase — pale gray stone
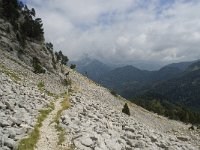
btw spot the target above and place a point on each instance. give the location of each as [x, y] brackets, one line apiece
[9, 143]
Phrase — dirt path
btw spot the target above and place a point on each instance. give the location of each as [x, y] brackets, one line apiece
[49, 136]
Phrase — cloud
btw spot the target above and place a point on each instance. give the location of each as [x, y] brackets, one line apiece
[123, 31]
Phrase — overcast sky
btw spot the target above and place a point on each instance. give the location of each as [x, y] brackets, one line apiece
[123, 31]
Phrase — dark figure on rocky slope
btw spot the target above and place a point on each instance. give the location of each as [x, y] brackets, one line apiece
[126, 109]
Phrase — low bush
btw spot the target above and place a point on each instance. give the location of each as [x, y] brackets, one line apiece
[73, 66]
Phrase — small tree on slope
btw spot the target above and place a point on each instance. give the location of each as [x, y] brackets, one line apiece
[126, 109]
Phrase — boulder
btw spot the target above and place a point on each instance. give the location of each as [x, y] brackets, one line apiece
[9, 143]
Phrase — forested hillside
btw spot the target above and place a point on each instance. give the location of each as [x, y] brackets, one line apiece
[130, 81]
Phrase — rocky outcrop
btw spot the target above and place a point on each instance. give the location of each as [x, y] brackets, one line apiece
[10, 43]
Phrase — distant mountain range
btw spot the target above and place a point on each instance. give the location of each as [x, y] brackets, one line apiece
[178, 82]
[92, 68]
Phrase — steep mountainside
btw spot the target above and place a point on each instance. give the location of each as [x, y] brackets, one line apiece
[22, 35]
[95, 120]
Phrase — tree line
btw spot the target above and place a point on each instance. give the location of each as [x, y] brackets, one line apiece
[24, 22]
[162, 106]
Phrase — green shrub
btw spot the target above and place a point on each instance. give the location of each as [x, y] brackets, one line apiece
[73, 66]
[37, 66]
[126, 109]
[41, 86]
[62, 58]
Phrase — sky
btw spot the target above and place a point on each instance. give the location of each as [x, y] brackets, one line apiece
[123, 31]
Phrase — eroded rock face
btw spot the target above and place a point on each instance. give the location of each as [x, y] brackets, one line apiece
[95, 121]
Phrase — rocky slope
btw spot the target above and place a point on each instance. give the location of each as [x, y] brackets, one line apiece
[95, 121]
[33, 48]
[21, 99]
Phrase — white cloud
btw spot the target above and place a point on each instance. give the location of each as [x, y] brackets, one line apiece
[123, 31]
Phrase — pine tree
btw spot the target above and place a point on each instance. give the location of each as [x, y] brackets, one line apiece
[126, 109]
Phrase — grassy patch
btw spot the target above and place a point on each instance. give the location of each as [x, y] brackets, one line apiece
[41, 86]
[61, 132]
[61, 135]
[30, 142]
[9, 73]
